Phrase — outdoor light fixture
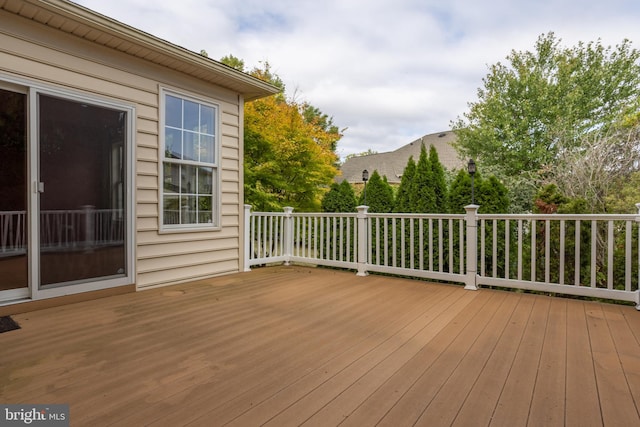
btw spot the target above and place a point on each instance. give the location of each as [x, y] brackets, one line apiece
[365, 178]
[471, 167]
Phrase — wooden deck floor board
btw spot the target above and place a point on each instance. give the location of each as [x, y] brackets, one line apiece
[357, 315]
[514, 403]
[548, 401]
[357, 334]
[582, 403]
[275, 398]
[270, 339]
[414, 402]
[160, 327]
[355, 391]
[378, 403]
[479, 405]
[616, 401]
[444, 408]
[289, 345]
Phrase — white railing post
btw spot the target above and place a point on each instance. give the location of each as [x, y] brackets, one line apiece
[362, 240]
[247, 237]
[288, 235]
[472, 247]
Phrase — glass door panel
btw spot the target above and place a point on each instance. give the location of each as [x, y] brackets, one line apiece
[82, 192]
[13, 191]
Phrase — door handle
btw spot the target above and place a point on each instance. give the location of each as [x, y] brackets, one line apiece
[38, 187]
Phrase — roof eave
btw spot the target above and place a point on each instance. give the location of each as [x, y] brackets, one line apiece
[115, 34]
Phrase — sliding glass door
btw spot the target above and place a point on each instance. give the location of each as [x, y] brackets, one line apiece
[65, 210]
[82, 218]
[14, 219]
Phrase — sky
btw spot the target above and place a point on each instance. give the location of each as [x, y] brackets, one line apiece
[386, 71]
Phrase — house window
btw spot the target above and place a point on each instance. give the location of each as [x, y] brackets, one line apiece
[190, 169]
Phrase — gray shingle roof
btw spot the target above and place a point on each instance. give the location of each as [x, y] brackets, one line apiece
[392, 163]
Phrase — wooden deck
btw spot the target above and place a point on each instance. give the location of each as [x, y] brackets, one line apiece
[292, 345]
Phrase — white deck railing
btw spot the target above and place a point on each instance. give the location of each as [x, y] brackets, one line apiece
[62, 229]
[585, 255]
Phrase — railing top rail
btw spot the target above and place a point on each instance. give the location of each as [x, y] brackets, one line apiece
[326, 214]
[558, 217]
[416, 216]
[268, 214]
[308, 214]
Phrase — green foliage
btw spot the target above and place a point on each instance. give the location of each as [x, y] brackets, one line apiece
[340, 198]
[233, 62]
[438, 180]
[548, 199]
[404, 195]
[379, 194]
[424, 196]
[625, 195]
[460, 192]
[492, 196]
[289, 149]
[423, 187]
[546, 99]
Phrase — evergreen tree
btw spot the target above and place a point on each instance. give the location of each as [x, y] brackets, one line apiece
[460, 191]
[379, 194]
[340, 198]
[438, 180]
[404, 196]
[492, 196]
[422, 189]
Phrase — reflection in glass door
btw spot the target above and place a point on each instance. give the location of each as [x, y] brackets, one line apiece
[13, 192]
[82, 192]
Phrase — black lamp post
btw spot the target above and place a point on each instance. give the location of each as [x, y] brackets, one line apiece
[471, 167]
[365, 178]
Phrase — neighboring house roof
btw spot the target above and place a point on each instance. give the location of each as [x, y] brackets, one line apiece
[96, 28]
[392, 163]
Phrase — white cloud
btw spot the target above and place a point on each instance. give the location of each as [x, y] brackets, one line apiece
[389, 71]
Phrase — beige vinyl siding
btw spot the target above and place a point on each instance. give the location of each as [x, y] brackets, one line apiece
[49, 58]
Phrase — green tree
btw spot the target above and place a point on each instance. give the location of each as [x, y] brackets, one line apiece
[288, 162]
[233, 62]
[340, 198]
[627, 194]
[379, 194]
[492, 196]
[438, 181]
[404, 196]
[460, 191]
[424, 196]
[289, 149]
[544, 101]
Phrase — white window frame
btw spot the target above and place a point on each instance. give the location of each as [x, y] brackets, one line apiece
[216, 180]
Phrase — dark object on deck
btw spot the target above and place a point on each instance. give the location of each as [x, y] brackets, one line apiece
[8, 324]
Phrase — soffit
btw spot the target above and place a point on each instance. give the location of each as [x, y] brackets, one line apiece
[89, 25]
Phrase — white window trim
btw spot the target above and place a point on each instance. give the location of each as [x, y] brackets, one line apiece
[217, 192]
